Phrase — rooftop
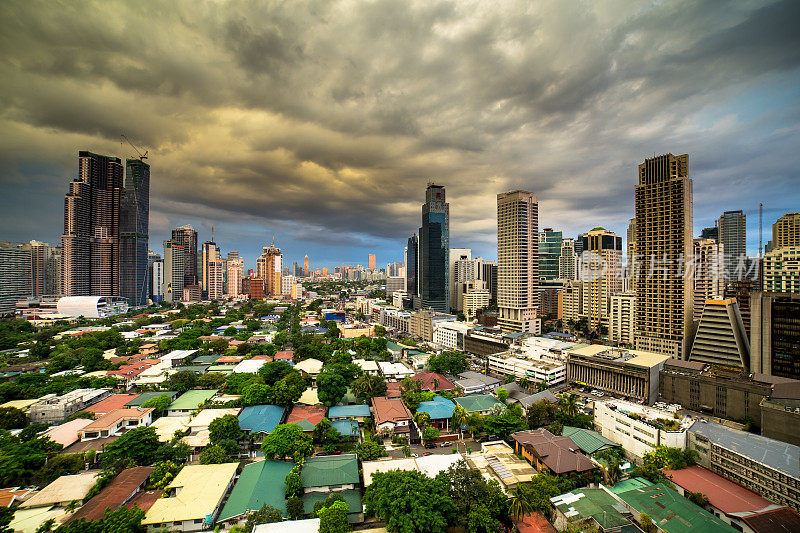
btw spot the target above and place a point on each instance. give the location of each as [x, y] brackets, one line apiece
[770, 452]
[560, 454]
[260, 483]
[725, 495]
[307, 417]
[478, 402]
[261, 418]
[781, 520]
[63, 489]
[498, 459]
[619, 355]
[166, 426]
[584, 504]
[309, 366]
[190, 400]
[389, 410]
[206, 416]
[111, 419]
[348, 411]
[114, 494]
[587, 440]
[67, 433]
[429, 465]
[438, 408]
[145, 396]
[431, 381]
[329, 470]
[352, 497]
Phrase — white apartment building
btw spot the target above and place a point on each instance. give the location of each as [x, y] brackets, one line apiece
[520, 366]
[572, 301]
[450, 335]
[235, 270]
[543, 348]
[639, 428]
[396, 319]
[287, 282]
[474, 296]
[622, 321]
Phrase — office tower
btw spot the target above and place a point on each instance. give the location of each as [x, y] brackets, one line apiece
[780, 271]
[775, 334]
[707, 273]
[568, 260]
[287, 282]
[393, 284]
[710, 233]
[156, 285]
[475, 297]
[411, 259]
[663, 242]
[549, 253]
[461, 269]
[134, 232]
[45, 269]
[579, 244]
[268, 268]
[572, 301]
[186, 238]
[434, 249]
[15, 275]
[733, 237]
[720, 338]
[600, 273]
[90, 243]
[174, 271]
[630, 264]
[235, 274]
[210, 252]
[622, 318]
[372, 261]
[296, 272]
[306, 272]
[518, 261]
[786, 231]
[486, 271]
[215, 287]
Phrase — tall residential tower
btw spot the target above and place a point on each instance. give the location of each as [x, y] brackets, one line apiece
[134, 227]
[434, 251]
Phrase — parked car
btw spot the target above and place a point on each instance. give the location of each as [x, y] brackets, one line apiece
[430, 445]
[426, 454]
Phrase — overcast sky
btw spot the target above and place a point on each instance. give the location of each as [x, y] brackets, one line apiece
[322, 121]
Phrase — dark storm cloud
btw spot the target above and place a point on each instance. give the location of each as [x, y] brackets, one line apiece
[326, 119]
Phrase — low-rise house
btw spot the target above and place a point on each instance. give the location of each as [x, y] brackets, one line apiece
[332, 474]
[166, 426]
[111, 403]
[55, 409]
[260, 419]
[310, 367]
[482, 404]
[476, 383]
[359, 412]
[550, 453]
[117, 422]
[204, 418]
[517, 395]
[431, 381]
[309, 397]
[307, 417]
[590, 506]
[367, 366]
[122, 489]
[67, 433]
[189, 401]
[429, 465]
[249, 366]
[63, 491]
[260, 483]
[590, 442]
[147, 396]
[394, 371]
[175, 358]
[285, 355]
[391, 415]
[14, 495]
[308, 525]
[440, 410]
[195, 497]
[497, 460]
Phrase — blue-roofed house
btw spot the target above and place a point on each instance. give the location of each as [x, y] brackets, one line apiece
[347, 428]
[359, 412]
[260, 419]
[440, 409]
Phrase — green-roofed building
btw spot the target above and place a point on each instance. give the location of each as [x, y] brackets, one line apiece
[197, 369]
[351, 497]
[593, 506]
[629, 484]
[587, 440]
[222, 369]
[205, 359]
[145, 396]
[190, 401]
[670, 511]
[260, 483]
[330, 473]
[478, 403]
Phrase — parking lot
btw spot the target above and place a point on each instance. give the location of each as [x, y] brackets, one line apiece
[396, 452]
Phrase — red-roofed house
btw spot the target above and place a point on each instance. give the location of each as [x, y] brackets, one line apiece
[307, 416]
[534, 523]
[431, 381]
[393, 389]
[14, 495]
[131, 371]
[286, 355]
[121, 489]
[391, 415]
[545, 451]
[780, 520]
[110, 403]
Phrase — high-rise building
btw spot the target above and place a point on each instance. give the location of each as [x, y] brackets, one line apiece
[621, 318]
[434, 251]
[306, 272]
[781, 270]
[15, 275]
[733, 237]
[412, 264]
[710, 233]
[287, 282]
[487, 273]
[786, 231]
[600, 273]
[630, 263]
[568, 260]
[775, 334]
[186, 238]
[134, 233]
[156, 287]
[720, 338]
[45, 269]
[174, 271]
[663, 242]
[235, 275]
[372, 261]
[475, 297]
[549, 253]
[572, 301]
[268, 268]
[210, 252]
[461, 269]
[90, 243]
[708, 273]
[518, 261]
[579, 244]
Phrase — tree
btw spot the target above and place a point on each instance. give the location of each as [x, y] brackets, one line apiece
[469, 492]
[540, 414]
[367, 386]
[294, 484]
[409, 501]
[647, 523]
[266, 515]
[224, 428]
[333, 519]
[369, 450]
[287, 440]
[331, 387]
[230, 331]
[327, 502]
[519, 505]
[450, 363]
[274, 371]
[218, 346]
[139, 446]
[430, 433]
[158, 403]
[163, 473]
[480, 520]
[698, 498]
[6, 515]
[294, 508]
[213, 455]
[181, 381]
[380, 331]
[257, 394]
[12, 418]
[119, 520]
[569, 404]
[289, 389]
[502, 394]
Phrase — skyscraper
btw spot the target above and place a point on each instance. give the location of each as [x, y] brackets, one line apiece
[372, 261]
[600, 273]
[134, 229]
[412, 250]
[210, 253]
[461, 269]
[235, 275]
[710, 233]
[268, 268]
[518, 261]
[708, 274]
[186, 238]
[568, 260]
[775, 334]
[214, 279]
[45, 269]
[434, 250]
[786, 231]
[732, 227]
[305, 267]
[174, 275]
[15, 275]
[630, 264]
[549, 253]
[90, 243]
[663, 242]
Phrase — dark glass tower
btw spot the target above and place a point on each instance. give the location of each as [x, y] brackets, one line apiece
[412, 252]
[549, 253]
[134, 232]
[434, 251]
[186, 237]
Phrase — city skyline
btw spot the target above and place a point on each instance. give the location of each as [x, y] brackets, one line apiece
[577, 152]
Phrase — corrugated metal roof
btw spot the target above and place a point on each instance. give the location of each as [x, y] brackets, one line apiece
[191, 399]
[260, 483]
[330, 470]
[260, 418]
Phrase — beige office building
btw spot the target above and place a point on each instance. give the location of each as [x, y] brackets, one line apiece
[572, 301]
[621, 319]
[782, 270]
[786, 231]
[235, 271]
[630, 267]
[268, 268]
[708, 273]
[663, 245]
[600, 273]
[518, 261]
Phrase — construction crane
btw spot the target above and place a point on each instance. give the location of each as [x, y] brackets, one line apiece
[142, 156]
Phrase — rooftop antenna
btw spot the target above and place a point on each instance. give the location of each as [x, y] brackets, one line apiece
[212, 232]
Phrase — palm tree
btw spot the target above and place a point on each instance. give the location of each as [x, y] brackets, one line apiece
[458, 418]
[569, 404]
[520, 505]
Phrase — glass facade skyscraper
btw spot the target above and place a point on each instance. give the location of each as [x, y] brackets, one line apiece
[434, 251]
[186, 238]
[549, 253]
[134, 232]
[412, 253]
